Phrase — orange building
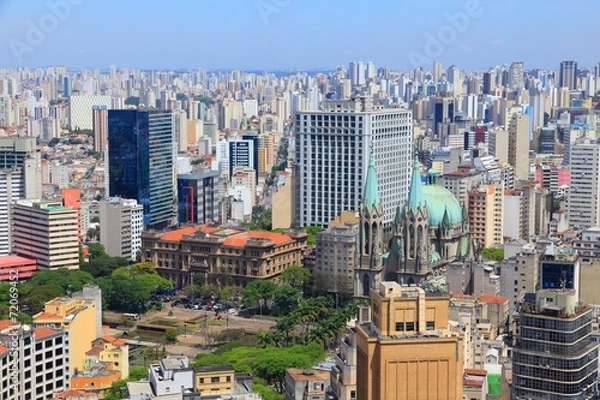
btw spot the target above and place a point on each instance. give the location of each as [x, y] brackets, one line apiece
[23, 268]
[242, 255]
[96, 379]
[407, 350]
[72, 199]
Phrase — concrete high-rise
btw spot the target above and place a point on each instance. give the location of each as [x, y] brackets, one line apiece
[332, 153]
[121, 226]
[100, 127]
[11, 189]
[80, 110]
[406, 349]
[518, 144]
[516, 80]
[140, 162]
[46, 232]
[567, 75]
[198, 197]
[583, 208]
[555, 356]
[486, 214]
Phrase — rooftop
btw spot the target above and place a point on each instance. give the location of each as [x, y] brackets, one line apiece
[300, 375]
[215, 368]
[11, 261]
[43, 332]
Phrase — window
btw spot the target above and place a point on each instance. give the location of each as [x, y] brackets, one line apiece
[410, 326]
[201, 381]
[228, 379]
[400, 326]
[430, 325]
[353, 394]
[215, 379]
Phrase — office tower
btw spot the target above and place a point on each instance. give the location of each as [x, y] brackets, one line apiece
[256, 140]
[516, 80]
[80, 110]
[198, 197]
[100, 127]
[443, 113]
[66, 87]
[361, 72]
[5, 114]
[11, 189]
[583, 208]
[47, 232]
[193, 110]
[406, 349]
[489, 83]
[370, 72]
[555, 356]
[40, 367]
[121, 226]
[437, 71]
[486, 214]
[22, 152]
[567, 75]
[242, 153]
[353, 73]
[454, 77]
[337, 250]
[180, 131]
[518, 144]
[282, 205]
[140, 162]
[332, 152]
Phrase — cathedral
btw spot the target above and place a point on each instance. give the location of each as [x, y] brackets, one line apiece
[431, 230]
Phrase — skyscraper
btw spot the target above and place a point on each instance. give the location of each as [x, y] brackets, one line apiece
[140, 162]
[516, 80]
[567, 75]
[554, 356]
[100, 127]
[406, 350]
[583, 209]
[332, 152]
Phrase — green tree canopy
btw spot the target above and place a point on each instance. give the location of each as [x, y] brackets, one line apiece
[296, 276]
[96, 250]
[66, 279]
[312, 231]
[104, 265]
[492, 253]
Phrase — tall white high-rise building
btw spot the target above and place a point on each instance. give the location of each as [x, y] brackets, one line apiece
[11, 188]
[332, 148]
[361, 73]
[5, 115]
[80, 110]
[516, 80]
[121, 226]
[583, 207]
[454, 77]
[437, 71]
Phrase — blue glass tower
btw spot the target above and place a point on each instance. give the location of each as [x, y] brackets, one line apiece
[140, 162]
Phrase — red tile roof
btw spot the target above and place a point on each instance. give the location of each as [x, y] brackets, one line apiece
[476, 372]
[492, 299]
[6, 323]
[43, 332]
[113, 340]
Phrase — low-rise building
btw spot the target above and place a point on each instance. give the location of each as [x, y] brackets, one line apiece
[306, 384]
[205, 249]
[110, 351]
[171, 375]
[214, 379]
[16, 268]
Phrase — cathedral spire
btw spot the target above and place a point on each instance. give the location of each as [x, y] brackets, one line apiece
[415, 192]
[371, 199]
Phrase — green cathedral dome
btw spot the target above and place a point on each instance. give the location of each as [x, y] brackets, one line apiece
[440, 200]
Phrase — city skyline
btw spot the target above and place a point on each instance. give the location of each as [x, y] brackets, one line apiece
[271, 34]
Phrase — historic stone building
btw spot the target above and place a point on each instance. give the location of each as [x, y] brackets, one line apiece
[240, 256]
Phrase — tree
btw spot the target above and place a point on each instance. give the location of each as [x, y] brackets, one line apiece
[96, 250]
[312, 231]
[495, 254]
[104, 265]
[286, 299]
[260, 289]
[66, 279]
[171, 335]
[296, 276]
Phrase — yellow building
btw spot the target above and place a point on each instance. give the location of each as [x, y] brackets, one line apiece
[110, 351]
[407, 350]
[214, 379]
[79, 317]
[282, 212]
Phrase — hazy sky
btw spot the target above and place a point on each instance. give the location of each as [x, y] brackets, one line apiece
[297, 34]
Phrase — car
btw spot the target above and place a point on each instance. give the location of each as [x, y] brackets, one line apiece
[231, 311]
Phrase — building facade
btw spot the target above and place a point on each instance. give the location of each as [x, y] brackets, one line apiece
[38, 366]
[582, 205]
[198, 197]
[46, 232]
[555, 356]
[240, 255]
[332, 152]
[140, 162]
[121, 226]
[407, 342]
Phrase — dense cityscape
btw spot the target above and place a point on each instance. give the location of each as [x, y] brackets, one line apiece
[353, 232]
